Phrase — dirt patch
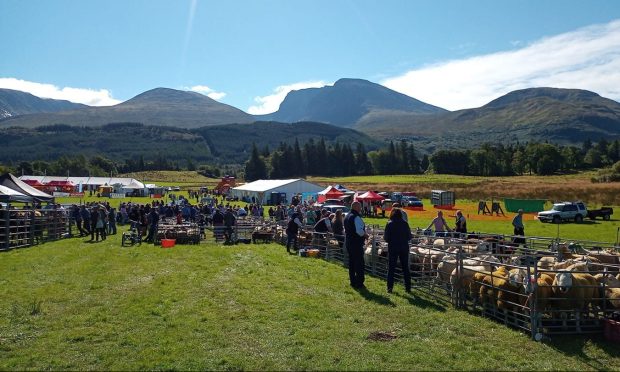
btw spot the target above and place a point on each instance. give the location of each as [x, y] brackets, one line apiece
[382, 336]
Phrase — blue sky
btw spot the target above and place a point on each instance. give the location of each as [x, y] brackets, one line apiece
[455, 54]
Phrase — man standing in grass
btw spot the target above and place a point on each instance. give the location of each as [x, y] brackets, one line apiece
[355, 235]
[519, 229]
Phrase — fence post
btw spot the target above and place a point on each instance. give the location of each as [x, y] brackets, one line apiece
[460, 294]
[373, 256]
[7, 228]
[33, 221]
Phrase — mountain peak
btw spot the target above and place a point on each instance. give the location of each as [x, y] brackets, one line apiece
[16, 102]
[558, 94]
[168, 95]
[345, 103]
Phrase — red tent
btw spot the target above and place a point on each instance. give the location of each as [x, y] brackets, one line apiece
[370, 196]
[33, 183]
[61, 183]
[329, 193]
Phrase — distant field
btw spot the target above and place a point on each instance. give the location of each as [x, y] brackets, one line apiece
[74, 305]
[400, 179]
[555, 188]
[173, 178]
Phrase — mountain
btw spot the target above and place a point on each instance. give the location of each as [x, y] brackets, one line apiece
[222, 144]
[345, 102]
[160, 106]
[553, 114]
[15, 103]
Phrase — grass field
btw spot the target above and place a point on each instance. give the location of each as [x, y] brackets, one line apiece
[77, 305]
[555, 188]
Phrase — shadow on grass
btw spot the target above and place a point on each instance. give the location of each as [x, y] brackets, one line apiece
[375, 297]
[422, 302]
[575, 346]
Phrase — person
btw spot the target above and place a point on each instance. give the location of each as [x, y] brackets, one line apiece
[310, 217]
[112, 222]
[440, 225]
[355, 235]
[321, 229]
[229, 222]
[338, 227]
[85, 213]
[77, 217]
[397, 234]
[292, 228]
[461, 223]
[519, 228]
[324, 225]
[402, 211]
[152, 221]
[218, 222]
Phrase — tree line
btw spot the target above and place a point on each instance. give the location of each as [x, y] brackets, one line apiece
[317, 159]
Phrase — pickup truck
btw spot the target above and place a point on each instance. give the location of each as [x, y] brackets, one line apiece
[566, 211]
[604, 212]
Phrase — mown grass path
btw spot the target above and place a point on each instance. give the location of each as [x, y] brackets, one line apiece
[78, 305]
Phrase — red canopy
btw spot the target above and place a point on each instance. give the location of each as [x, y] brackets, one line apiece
[33, 182]
[61, 183]
[329, 193]
[370, 196]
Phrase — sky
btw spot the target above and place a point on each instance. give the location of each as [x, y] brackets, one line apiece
[454, 54]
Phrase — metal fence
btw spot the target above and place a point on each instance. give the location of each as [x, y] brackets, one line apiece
[21, 228]
[491, 275]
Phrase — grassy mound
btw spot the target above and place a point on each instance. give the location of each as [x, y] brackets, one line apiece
[78, 305]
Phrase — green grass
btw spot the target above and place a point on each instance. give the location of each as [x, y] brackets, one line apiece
[78, 305]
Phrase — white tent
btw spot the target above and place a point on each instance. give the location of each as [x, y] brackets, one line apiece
[260, 191]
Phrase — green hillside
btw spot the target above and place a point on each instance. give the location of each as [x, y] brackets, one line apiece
[537, 114]
[226, 144]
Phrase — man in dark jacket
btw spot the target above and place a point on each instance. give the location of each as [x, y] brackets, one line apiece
[229, 222]
[355, 235]
[397, 234]
[292, 228]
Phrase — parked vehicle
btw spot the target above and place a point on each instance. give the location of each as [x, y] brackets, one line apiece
[411, 201]
[604, 212]
[333, 202]
[334, 207]
[566, 211]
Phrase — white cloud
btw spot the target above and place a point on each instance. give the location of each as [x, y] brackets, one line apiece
[587, 58]
[271, 103]
[203, 89]
[91, 97]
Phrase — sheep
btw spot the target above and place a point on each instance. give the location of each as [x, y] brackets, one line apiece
[575, 292]
[546, 263]
[579, 266]
[613, 296]
[563, 265]
[448, 264]
[543, 291]
[464, 280]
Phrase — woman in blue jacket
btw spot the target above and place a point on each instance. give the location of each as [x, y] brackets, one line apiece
[397, 235]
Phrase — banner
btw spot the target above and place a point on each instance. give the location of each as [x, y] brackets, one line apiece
[76, 194]
[115, 195]
[60, 194]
